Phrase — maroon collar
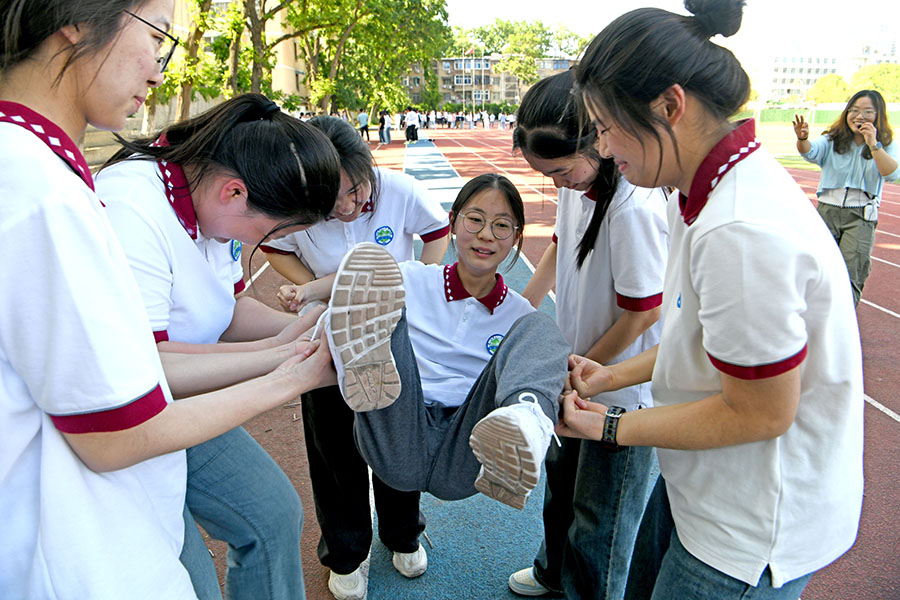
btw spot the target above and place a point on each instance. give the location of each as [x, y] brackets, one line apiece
[732, 149]
[51, 134]
[178, 191]
[454, 290]
[593, 193]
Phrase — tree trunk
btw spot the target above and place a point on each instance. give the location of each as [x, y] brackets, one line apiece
[192, 47]
[148, 123]
[257, 38]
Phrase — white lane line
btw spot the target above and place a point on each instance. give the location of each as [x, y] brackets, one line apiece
[530, 266]
[882, 408]
[887, 262]
[502, 170]
[887, 233]
[881, 308]
[259, 272]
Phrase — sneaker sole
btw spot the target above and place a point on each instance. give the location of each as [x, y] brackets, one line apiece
[367, 300]
[510, 470]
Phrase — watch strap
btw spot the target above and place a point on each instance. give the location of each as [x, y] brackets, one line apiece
[611, 426]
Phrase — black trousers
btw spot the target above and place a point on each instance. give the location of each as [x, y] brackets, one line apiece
[340, 483]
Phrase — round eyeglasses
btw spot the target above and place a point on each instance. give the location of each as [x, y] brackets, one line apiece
[501, 227]
[868, 113]
[168, 43]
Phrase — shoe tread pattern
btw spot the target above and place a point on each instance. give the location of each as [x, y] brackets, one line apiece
[367, 302]
[510, 469]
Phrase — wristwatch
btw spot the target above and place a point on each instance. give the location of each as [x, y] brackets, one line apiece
[877, 146]
[611, 426]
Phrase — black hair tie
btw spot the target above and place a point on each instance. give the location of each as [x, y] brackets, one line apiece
[269, 109]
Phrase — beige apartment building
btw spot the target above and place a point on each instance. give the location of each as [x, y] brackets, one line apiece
[476, 80]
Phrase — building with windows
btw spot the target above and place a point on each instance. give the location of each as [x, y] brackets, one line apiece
[476, 79]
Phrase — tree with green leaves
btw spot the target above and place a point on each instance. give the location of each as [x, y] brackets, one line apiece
[884, 77]
[829, 88]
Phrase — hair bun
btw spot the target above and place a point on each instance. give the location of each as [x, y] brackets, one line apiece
[714, 17]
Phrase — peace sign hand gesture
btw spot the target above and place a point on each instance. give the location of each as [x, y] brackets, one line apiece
[801, 127]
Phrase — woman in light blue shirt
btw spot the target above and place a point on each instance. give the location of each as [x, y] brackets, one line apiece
[856, 156]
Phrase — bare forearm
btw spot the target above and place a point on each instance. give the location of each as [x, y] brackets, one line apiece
[290, 267]
[433, 252]
[886, 165]
[622, 334]
[803, 146]
[184, 423]
[253, 320]
[633, 371]
[544, 277]
[192, 374]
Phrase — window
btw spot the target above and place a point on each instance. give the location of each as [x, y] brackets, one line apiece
[416, 98]
[458, 65]
[446, 97]
[495, 95]
[417, 82]
[447, 65]
[446, 81]
[462, 79]
[560, 65]
[406, 81]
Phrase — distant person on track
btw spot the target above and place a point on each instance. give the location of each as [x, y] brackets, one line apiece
[455, 392]
[759, 359]
[182, 203]
[412, 124]
[607, 261]
[363, 119]
[92, 469]
[388, 208]
[857, 155]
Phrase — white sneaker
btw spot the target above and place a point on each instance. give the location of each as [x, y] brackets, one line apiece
[524, 583]
[411, 564]
[367, 301]
[510, 443]
[352, 586]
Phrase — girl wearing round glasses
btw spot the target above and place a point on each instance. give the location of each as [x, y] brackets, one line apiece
[92, 446]
[857, 156]
[458, 394]
[386, 207]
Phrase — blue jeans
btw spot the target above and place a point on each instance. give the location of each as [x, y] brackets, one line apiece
[592, 510]
[241, 496]
[662, 569]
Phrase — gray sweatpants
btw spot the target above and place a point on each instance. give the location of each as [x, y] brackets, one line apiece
[413, 446]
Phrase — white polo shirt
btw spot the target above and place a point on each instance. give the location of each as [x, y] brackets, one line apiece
[453, 334]
[756, 286]
[187, 281]
[76, 355]
[625, 271]
[404, 208]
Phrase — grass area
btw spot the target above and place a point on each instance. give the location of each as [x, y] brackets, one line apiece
[780, 141]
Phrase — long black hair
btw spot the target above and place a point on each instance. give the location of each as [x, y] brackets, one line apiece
[26, 24]
[498, 182]
[355, 155]
[290, 169]
[550, 124]
[841, 135]
[645, 51]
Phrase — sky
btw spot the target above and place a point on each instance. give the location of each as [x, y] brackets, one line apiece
[769, 27]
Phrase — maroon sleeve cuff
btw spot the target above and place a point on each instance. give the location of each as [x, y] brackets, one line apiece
[239, 286]
[554, 239]
[161, 336]
[436, 235]
[271, 250]
[131, 415]
[759, 371]
[638, 304]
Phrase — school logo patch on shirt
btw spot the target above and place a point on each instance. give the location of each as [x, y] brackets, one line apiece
[236, 250]
[678, 301]
[384, 235]
[493, 343]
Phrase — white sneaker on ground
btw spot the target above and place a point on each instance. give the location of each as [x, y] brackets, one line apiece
[352, 586]
[411, 564]
[524, 583]
[510, 443]
[367, 300]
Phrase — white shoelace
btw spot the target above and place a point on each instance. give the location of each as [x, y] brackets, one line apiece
[536, 408]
